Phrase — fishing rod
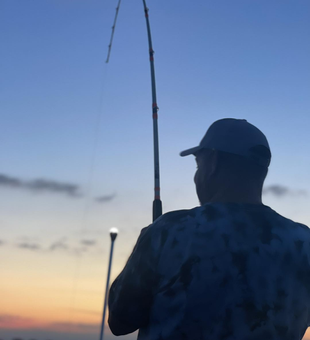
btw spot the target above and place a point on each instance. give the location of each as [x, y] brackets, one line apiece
[113, 30]
[157, 204]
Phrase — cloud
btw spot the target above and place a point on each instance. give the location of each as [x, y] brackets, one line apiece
[1, 243]
[53, 186]
[282, 191]
[41, 185]
[63, 246]
[59, 245]
[88, 243]
[29, 246]
[89, 312]
[75, 327]
[105, 198]
[77, 247]
[15, 321]
[9, 181]
[24, 328]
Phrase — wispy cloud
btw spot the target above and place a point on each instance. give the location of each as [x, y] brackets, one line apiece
[16, 322]
[105, 198]
[8, 321]
[1, 243]
[88, 243]
[40, 185]
[73, 247]
[75, 327]
[77, 249]
[10, 181]
[29, 246]
[282, 191]
[45, 185]
[89, 312]
[59, 245]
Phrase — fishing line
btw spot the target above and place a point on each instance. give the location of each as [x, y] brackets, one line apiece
[157, 204]
[89, 190]
[85, 213]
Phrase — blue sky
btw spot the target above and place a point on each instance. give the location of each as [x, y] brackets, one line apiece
[70, 119]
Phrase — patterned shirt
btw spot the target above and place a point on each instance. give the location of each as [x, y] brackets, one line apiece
[216, 272]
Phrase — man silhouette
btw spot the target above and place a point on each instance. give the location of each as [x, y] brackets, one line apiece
[231, 269]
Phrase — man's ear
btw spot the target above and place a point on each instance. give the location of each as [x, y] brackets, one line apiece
[214, 160]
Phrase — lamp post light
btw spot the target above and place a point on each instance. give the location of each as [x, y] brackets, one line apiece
[113, 235]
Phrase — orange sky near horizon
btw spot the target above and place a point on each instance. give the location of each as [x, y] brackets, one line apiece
[32, 301]
[60, 296]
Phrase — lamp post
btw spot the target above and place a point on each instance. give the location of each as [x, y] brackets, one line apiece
[113, 235]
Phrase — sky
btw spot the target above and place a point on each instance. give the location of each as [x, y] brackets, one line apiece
[76, 148]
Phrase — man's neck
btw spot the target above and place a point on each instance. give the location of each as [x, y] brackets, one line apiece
[224, 197]
[234, 200]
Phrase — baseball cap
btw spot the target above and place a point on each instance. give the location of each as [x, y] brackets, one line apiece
[235, 136]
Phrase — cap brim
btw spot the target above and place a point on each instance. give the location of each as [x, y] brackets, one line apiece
[191, 151]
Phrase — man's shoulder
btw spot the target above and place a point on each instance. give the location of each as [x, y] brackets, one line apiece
[188, 217]
[207, 213]
[218, 214]
[287, 232]
[293, 225]
[175, 217]
[299, 230]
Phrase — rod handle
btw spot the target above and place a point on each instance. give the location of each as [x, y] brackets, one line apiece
[157, 209]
